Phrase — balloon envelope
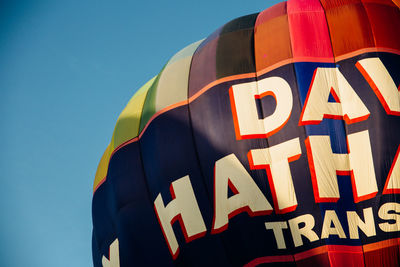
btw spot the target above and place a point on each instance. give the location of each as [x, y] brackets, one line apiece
[273, 141]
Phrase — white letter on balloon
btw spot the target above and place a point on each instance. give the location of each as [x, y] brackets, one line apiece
[244, 110]
[326, 165]
[275, 160]
[184, 208]
[381, 83]
[229, 172]
[348, 105]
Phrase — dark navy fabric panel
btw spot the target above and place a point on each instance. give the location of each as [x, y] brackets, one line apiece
[126, 177]
[103, 222]
[384, 131]
[128, 213]
[136, 222]
[203, 65]
[189, 139]
[168, 153]
[141, 242]
[215, 138]
[96, 255]
[246, 238]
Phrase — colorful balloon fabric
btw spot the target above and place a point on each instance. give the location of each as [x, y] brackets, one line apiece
[274, 141]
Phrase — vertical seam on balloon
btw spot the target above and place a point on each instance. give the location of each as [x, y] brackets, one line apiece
[210, 199]
[141, 154]
[257, 76]
[194, 140]
[191, 127]
[139, 145]
[302, 107]
[262, 111]
[255, 68]
[347, 142]
[295, 79]
[343, 122]
[369, 21]
[141, 113]
[298, 91]
[152, 87]
[348, 148]
[329, 31]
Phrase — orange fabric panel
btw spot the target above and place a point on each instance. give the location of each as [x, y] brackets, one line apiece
[271, 37]
[329, 4]
[385, 22]
[382, 2]
[349, 26]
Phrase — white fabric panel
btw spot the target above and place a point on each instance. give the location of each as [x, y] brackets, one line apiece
[173, 83]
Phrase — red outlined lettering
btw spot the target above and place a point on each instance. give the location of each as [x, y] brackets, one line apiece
[271, 182]
[359, 114]
[396, 162]
[266, 211]
[188, 215]
[376, 90]
[314, 182]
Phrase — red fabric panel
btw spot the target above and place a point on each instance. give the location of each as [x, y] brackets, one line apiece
[271, 37]
[309, 31]
[383, 253]
[381, 2]
[348, 25]
[384, 18]
[317, 260]
[348, 259]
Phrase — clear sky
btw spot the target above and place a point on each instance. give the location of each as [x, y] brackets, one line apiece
[67, 69]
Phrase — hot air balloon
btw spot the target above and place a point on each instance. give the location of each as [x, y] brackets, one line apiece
[273, 141]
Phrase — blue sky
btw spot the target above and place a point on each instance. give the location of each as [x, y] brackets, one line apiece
[67, 69]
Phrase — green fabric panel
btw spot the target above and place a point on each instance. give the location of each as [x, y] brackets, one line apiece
[127, 126]
[149, 107]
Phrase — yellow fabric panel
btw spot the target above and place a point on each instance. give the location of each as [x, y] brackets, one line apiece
[102, 168]
[127, 126]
